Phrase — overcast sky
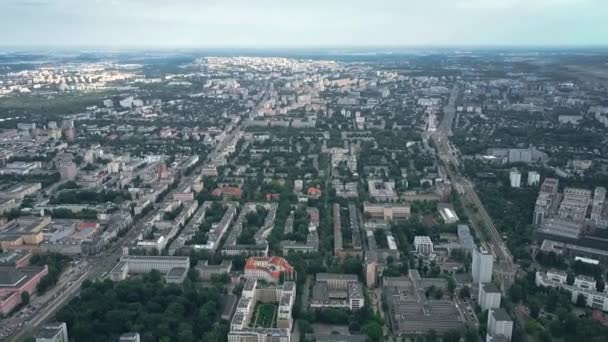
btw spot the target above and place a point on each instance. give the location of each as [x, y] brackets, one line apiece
[292, 23]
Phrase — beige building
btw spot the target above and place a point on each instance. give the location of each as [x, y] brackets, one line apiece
[387, 211]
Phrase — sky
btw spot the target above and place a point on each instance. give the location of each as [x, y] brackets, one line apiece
[302, 23]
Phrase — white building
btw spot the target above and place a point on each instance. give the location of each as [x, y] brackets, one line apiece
[423, 245]
[499, 325]
[483, 263]
[533, 178]
[489, 296]
[515, 178]
[583, 286]
[448, 215]
[129, 337]
[254, 292]
[53, 332]
[175, 268]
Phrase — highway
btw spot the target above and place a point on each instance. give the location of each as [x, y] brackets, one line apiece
[91, 267]
[486, 230]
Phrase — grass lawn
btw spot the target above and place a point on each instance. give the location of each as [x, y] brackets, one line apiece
[265, 315]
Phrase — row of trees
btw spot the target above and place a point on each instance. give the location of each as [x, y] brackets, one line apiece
[56, 264]
[90, 197]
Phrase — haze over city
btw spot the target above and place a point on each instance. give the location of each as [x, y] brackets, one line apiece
[275, 23]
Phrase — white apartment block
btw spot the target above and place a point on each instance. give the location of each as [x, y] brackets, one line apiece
[584, 286]
[533, 178]
[423, 245]
[489, 296]
[499, 325]
[515, 178]
[482, 266]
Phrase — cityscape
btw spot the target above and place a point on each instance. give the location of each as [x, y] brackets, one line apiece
[348, 192]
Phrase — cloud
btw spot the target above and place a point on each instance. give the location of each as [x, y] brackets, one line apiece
[507, 4]
[30, 3]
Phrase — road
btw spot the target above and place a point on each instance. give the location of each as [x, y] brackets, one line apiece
[97, 267]
[485, 228]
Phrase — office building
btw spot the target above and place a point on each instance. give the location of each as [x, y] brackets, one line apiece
[175, 268]
[482, 266]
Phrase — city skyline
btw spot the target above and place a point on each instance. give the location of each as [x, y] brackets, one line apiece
[270, 23]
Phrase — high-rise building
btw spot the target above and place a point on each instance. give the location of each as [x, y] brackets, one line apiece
[499, 325]
[546, 200]
[599, 199]
[423, 245]
[515, 178]
[483, 263]
[489, 296]
[533, 178]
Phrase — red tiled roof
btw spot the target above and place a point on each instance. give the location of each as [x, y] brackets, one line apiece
[280, 265]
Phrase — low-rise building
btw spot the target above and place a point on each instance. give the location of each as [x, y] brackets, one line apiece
[382, 191]
[270, 269]
[129, 337]
[207, 272]
[387, 211]
[53, 332]
[23, 231]
[337, 291]
[175, 268]
[583, 287]
[14, 281]
[20, 191]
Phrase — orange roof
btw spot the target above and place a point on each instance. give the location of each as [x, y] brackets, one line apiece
[314, 192]
[89, 224]
[229, 190]
[273, 265]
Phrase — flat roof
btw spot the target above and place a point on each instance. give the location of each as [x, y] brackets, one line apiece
[176, 272]
[500, 314]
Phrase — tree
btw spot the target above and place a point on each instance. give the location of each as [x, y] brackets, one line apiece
[465, 292]
[581, 300]
[25, 298]
[373, 330]
[451, 336]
